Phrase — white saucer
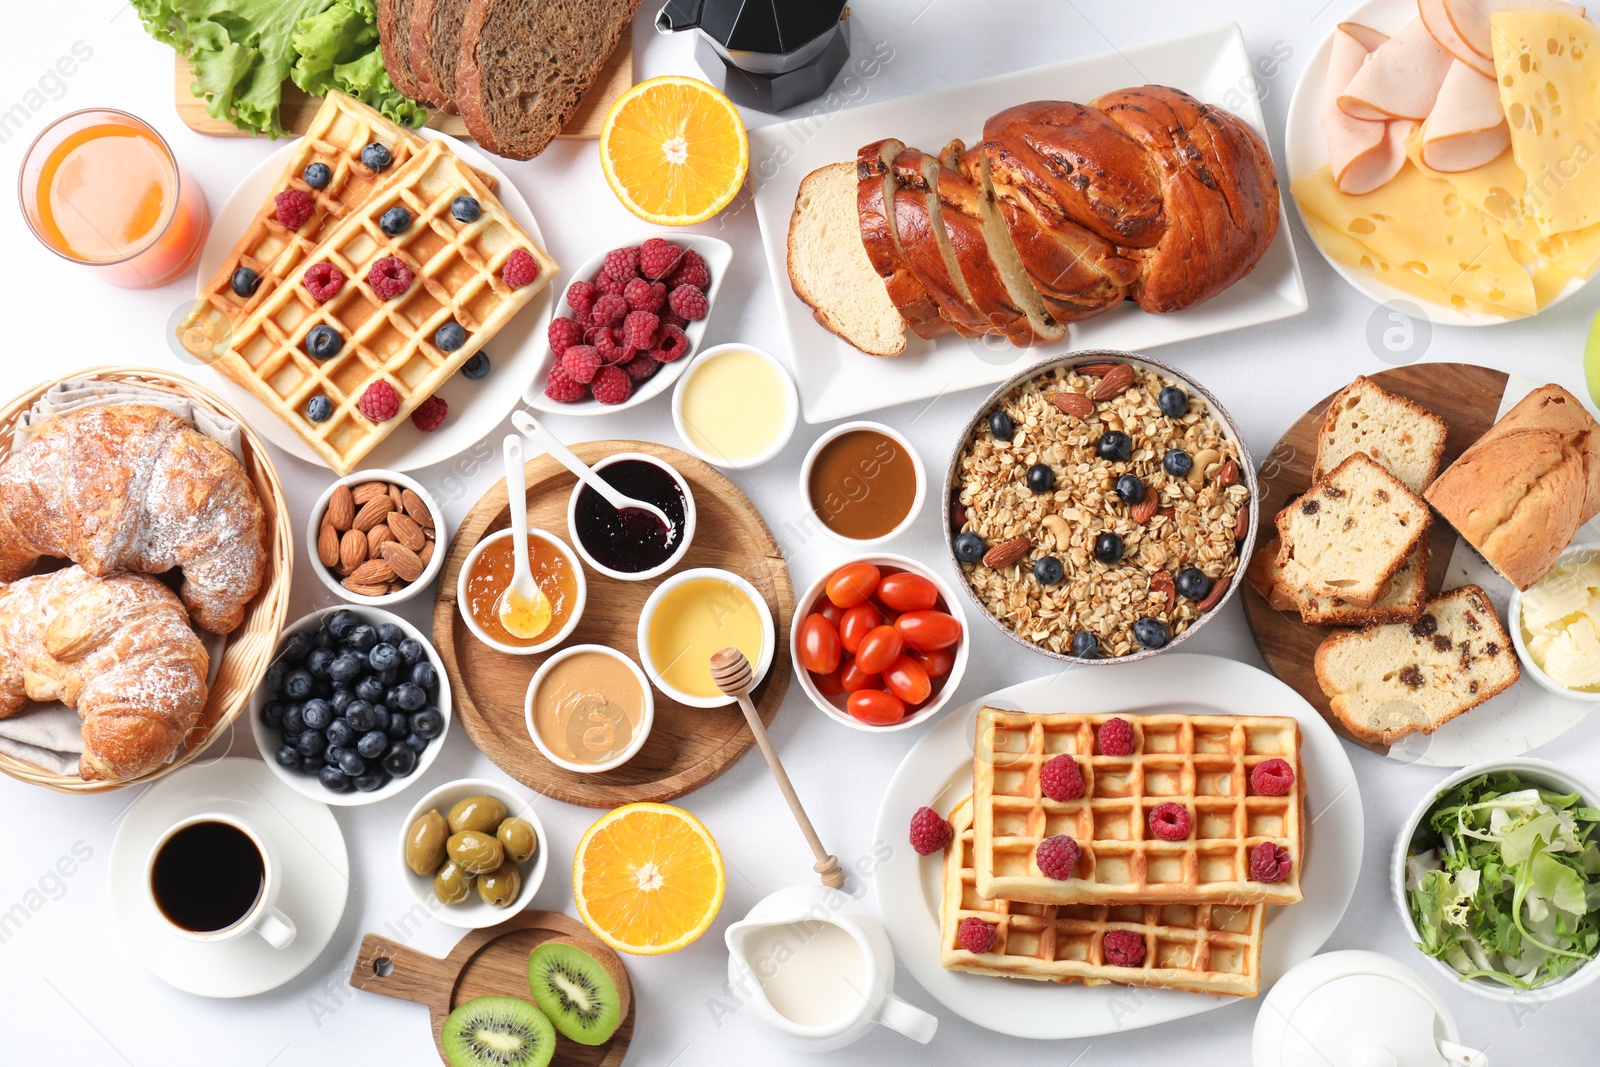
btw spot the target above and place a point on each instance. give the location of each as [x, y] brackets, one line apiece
[316, 878]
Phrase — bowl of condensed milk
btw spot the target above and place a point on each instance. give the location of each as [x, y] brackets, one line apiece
[589, 708]
[736, 407]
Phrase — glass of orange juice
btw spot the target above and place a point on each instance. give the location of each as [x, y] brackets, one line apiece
[100, 187]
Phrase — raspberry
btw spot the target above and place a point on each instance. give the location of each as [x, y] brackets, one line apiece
[389, 277]
[1056, 856]
[672, 318]
[692, 271]
[1115, 737]
[611, 353]
[658, 258]
[609, 310]
[1273, 778]
[564, 333]
[638, 330]
[1170, 822]
[580, 362]
[293, 207]
[580, 298]
[1123, 948]
[641, 367]
[520, 269]
[644, 296]
[622, 264]
[429, 414]
[1270, 863]
[974, 934]
[671, 344]
[689, 302]
[563, 388]
[612, 385]
[324, 280]
[380, 402]
[929, 831]
[606, 285]
[1061, 779]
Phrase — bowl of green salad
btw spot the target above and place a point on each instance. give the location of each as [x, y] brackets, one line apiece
[1497, 876]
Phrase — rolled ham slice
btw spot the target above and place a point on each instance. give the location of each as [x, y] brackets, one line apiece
[1368, 38]
[1350, 140]
[1470, 20]
[1400, 79]
[1437, 18]
[1466, 127]
[1376, 168]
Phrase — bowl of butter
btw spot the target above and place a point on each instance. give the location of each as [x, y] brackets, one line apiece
[1555, 625]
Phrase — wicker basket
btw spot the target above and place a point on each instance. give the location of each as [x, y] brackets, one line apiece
[247, 651]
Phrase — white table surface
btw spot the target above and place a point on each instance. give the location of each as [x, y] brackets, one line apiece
[67, 980]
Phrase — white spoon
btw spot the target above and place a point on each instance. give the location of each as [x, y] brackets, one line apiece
[546, 440]
[523, 608]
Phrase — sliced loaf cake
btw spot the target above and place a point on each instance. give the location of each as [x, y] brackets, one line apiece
[1401, 600]
[829, 268]
[1400, 434]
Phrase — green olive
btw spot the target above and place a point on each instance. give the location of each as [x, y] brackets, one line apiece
[478, 813]
[425, 843]
[519, 840]
[475, 851]
[500, 887]
[453, 883]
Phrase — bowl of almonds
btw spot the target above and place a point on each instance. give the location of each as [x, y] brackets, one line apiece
[376, 535]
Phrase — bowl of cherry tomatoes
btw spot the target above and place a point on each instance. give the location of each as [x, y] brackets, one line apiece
[879, 643]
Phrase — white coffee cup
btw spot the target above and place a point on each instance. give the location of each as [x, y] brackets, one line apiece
[262, 916]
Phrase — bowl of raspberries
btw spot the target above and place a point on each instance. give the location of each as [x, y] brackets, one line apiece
[626, 327]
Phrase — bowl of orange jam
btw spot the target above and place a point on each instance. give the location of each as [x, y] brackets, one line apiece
[487, 574]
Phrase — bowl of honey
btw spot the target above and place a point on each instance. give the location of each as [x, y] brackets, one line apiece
[589, 708]
[631, 545]
[863, 483]
[692, 616]
[486, 575]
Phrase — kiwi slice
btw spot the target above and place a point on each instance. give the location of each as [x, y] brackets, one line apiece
[584, 994]
[498, 1032]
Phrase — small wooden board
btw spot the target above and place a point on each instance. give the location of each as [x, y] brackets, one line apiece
[1466, 397]
[485, 963]
[687, 747]
[615, 78]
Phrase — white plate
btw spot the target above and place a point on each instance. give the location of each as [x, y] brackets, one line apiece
[717, 254]
[514, 353]
[1305, 151]
[316, 878]
[836, 380]
[938, 772]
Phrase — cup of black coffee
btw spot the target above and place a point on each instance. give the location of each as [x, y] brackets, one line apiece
[213, 878]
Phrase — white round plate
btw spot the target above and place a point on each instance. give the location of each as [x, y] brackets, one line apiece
[1307, 151]
[316, 878]
[938, 772]
[514, 353]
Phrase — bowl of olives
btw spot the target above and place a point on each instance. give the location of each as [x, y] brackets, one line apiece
[354, 706]
[473, 853]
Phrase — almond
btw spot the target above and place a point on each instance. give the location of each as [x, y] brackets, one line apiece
[416, 508]
[1142, 512]
[407, 567]
[364, 589]
[372, 572]
[328, 544]
[396, 585]
[1096, 370]
[1219, 589]
[1006, 553]
[341, 509]
[406, 531]
[395, 497]
[1228, 475]
[367, 492]
[1161, 582]
[352, 549]
[958, 516]
[372, 512]
[426, 555]
[1074, 404]
[377, 536]
[1115, 382]
[1241, 524]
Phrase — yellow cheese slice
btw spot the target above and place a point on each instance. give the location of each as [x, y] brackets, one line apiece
[1548, 68]
[1495, 189]
[1346, 250]
[1578, 252]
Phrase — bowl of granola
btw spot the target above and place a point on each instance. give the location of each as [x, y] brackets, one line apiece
[1100, 505]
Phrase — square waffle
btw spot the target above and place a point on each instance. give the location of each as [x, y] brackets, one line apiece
[456, 268]
[1199, 948]
[1202, 762]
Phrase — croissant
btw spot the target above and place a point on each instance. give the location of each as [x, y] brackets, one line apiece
[130, 487]
[120, 650]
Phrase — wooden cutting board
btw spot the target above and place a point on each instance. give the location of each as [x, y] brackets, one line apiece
[615, 78]
[1466, 397]
[485, 963]
[687, 747]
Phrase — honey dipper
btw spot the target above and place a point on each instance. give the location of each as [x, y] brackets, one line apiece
[731, 671]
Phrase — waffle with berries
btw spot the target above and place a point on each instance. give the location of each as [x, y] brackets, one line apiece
[1182, 809]
[466, 278]
[1198, 948]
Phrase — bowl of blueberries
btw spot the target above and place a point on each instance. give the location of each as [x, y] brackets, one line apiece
[353, 708]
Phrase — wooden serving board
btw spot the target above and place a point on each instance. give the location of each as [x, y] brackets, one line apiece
[1466, 397]
[687, 747]
[615, 78]
[485, 963]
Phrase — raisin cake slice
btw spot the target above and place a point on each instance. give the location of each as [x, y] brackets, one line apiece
[1400, 434]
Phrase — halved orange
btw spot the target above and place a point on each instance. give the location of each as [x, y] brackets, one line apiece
[648, 878]
[674, 150]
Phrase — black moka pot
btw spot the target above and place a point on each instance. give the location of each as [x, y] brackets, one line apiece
[765, 54]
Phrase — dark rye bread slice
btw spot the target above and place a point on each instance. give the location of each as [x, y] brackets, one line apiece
[394, 37]
[524, 67]
[434, 47]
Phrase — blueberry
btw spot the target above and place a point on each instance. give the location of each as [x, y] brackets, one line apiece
[399, 760]
[410, 650]
[311, 765]
[395, 221]
[416, 742]
[287, 756]
[382, 657]
[312, 743]
[476, 367]
[272, 682]
[424, 675]
[376, 156]
[449, 336]
[334, 754]
[352, 764]
[1114, 445]
[1108, 547]
[322, 689]
[244, 283]
[372, 780]
[294, 718]
[361, 716]
[297, 684]
[295, 648]
[1174, 402]
[334, 780]
[382, 712]
[1151, 633]
[1193, 583]
[319, 409]
[319, 661]
[323, 342]
[970, 548]
[371, 689]
[317, 714]
[272, 715]
[1041, 479]
[341, 699]
[1176, 462]
[390, 674]
[372, 744]
[324, 640]
[399, 725]
[1001, 427]
[361, 638]
[1085, 645]
[1130, 488]
[409, 697]
[428, 722]
[317, 175]
[345, 668]
[390, 634]
[1047, 570]
[465, 209]
[340, 733]
[340, 623]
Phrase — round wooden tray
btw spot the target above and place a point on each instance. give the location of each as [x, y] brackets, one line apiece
[687, 747]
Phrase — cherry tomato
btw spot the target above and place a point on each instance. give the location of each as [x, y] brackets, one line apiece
[852, 584]
[829, 610]
[937, 663]
[907, 680]
[828, 684]
[853, 678]
[927, 631]
[857, 623]
[878, 649]
[818, 645]
[908, 592]
[876, 707]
